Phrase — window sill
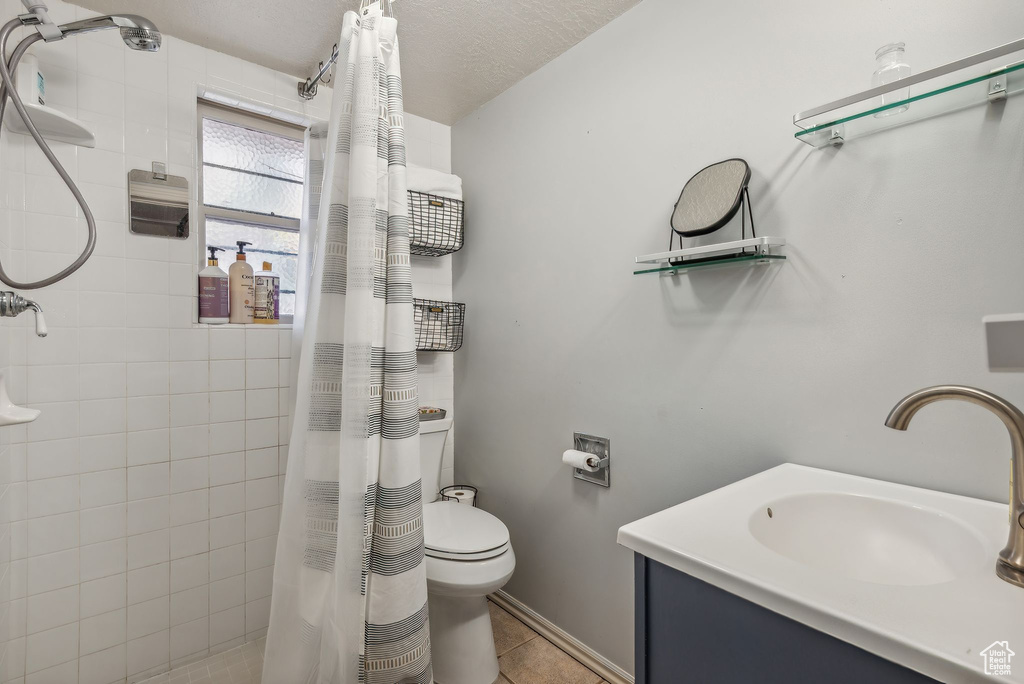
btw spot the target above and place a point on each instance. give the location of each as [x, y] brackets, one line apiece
[244, 326]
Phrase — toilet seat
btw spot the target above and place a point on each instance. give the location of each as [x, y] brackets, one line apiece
[455, 531]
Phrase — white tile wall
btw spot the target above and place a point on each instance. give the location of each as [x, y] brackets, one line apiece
[59, 461]
[139, 513]
[429, 144]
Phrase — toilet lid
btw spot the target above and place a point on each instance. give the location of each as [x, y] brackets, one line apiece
[462, 532]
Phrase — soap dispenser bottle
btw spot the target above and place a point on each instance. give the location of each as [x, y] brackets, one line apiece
[242, 293]
[213, 291]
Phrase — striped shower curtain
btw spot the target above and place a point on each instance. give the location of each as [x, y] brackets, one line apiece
[350, 593]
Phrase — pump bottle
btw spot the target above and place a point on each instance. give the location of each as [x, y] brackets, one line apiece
[242, 293]
[213, 291]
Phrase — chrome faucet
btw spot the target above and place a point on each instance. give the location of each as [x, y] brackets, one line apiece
[12, 304]
[1010, 564]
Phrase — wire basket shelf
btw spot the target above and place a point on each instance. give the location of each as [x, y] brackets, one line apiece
[436, 224]
[438, 325]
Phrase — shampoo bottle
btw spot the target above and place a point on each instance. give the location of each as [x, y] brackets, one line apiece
[30, 81]
[242, 294]
[268, 292]
[213, 291]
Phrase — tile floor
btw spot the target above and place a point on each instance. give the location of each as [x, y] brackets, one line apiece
[524, 657]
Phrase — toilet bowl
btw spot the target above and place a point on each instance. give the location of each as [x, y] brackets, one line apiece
[468, 556]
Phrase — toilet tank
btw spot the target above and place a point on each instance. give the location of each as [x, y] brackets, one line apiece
[433, 434]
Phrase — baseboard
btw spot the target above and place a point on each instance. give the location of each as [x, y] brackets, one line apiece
[608, 670]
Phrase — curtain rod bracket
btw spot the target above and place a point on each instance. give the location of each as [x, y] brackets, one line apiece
[307, 88]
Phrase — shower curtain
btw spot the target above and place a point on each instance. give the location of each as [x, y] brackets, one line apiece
[349, 600]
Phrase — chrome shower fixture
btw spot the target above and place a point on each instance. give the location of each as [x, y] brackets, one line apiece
[137, 32]
[12, 304]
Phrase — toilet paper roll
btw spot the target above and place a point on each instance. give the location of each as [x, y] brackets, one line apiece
[578, 459]
[463, 496]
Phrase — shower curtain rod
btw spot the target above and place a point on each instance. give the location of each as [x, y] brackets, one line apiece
[307, 88]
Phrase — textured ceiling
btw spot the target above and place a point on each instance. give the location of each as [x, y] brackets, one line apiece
[456, 55]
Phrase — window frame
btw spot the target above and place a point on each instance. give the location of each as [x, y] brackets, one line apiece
[210, 110]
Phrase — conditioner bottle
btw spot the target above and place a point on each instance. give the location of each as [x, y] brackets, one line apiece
[242, 292]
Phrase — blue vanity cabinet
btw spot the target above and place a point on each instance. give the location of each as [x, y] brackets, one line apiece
[688, 631]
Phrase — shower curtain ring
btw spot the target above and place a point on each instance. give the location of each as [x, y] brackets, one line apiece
[385, 6]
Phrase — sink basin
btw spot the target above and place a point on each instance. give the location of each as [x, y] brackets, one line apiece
[905, 573]
[869, 539]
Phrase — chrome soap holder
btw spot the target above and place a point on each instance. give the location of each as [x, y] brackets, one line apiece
[600, 447]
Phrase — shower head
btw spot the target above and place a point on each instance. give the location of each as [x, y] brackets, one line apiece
[137, 32]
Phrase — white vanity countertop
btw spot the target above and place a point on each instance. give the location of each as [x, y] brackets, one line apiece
[937, 629]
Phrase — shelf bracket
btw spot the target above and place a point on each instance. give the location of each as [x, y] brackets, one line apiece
[835, 136]
[997, 89]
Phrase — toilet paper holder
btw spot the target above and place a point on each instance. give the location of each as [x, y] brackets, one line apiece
[600, 447]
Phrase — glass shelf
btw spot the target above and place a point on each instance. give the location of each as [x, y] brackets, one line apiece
[748, 259]
[752, 251]
[978, 79]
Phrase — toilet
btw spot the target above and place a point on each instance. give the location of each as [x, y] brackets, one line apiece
[469, 556]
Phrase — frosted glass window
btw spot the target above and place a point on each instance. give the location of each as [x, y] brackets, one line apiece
[246, 192]
[279, 247]
[245, 149]
[250, 170]
[252, 178]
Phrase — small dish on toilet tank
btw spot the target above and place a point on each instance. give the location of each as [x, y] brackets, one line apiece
[431, 413]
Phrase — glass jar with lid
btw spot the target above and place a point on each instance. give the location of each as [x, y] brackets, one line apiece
[891, 66]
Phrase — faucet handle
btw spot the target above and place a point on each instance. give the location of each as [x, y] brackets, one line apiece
[12, 304]
[41, 329]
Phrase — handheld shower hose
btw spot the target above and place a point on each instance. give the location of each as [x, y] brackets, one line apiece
[139, 34]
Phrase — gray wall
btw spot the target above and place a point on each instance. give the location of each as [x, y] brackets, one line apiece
[899, 244]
